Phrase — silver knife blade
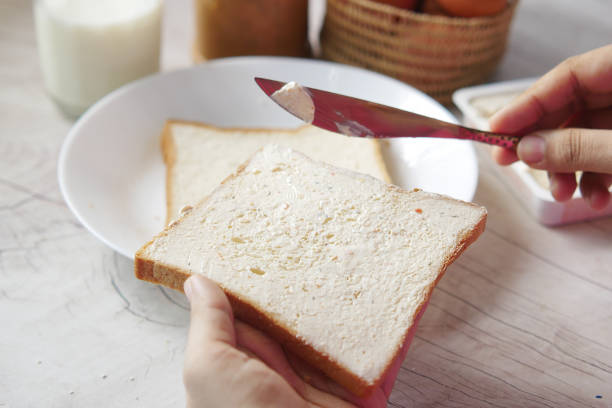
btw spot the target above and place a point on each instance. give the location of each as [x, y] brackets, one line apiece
[357, 117]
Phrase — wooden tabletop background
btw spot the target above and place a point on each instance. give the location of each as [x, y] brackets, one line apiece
[523, 319]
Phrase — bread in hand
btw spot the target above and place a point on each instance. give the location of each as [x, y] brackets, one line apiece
[334, 264]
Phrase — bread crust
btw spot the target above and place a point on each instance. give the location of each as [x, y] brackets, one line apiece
[147, 270]
[168, 149]
[380, 160]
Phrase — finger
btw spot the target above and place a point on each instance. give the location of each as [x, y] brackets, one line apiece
[581, 82]
[562, 185]
[211, 314]
[210, 340]
[568, 150]
[318, 387]
[592, 119]
[306, 372]
[268, 351]
[315, 379]
[389, 380]
[503, 156]
[596, 119]
[595, 189]
[257, 343]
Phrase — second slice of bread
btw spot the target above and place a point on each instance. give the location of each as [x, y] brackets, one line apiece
[199, 156]
[334, 264]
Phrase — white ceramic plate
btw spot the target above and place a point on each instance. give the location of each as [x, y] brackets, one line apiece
[111, 171]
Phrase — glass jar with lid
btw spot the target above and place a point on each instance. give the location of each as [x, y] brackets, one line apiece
[251, 27]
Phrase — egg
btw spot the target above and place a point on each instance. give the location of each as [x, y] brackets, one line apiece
[404, 4]
[471, 8]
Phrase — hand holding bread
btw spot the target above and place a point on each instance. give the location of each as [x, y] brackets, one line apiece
[225, 353]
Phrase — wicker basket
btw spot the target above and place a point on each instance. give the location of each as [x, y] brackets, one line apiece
[436, 54]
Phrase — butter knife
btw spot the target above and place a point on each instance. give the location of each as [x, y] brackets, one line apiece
[361, 118]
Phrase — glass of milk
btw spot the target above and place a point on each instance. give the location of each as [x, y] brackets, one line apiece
[90, 47]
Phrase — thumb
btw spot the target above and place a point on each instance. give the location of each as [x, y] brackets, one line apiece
[212, 319]
[208, 365]
[568, 150]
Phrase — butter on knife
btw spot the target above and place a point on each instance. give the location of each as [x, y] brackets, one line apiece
[297, 100]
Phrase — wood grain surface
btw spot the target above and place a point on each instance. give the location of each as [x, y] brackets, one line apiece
[523, 319]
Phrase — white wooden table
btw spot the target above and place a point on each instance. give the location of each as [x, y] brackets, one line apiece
[523, 319]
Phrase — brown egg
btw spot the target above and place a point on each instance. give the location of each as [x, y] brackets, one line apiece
[472, 8]
[404, 4]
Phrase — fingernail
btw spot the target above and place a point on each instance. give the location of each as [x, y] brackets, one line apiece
[195, 286]
[531, 149]
[598, 199]
[187, 288]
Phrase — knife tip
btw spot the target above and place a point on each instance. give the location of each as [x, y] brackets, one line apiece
[269, 86]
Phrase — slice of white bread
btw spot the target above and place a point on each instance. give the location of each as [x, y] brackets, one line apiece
[198, 156]
[334, 264]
